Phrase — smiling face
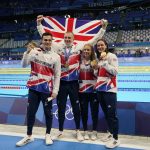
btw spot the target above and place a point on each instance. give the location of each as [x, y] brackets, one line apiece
[68, 38]
[87, 51]
[101, 46]
[47, 41]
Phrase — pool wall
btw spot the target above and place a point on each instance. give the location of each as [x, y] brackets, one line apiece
[134, 117]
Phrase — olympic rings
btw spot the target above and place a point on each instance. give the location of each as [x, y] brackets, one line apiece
[68, 112]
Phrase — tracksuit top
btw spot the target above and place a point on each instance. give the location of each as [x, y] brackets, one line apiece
[106, 75]
[87, 78]
[45, 70]
[70, 54]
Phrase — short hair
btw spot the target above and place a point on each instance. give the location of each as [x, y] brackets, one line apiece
[47, 34]
[69, 32]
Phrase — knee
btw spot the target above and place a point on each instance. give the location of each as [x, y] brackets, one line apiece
[111, 113]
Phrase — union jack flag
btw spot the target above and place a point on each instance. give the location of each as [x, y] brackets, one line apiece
[84, 30]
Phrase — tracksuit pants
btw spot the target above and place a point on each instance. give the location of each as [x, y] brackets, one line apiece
[70, 88]
[85, 99]
[34, 99]
[108, 101]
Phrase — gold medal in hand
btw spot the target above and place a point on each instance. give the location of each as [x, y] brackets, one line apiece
[103, 55]
[66, 65]
[93, 63]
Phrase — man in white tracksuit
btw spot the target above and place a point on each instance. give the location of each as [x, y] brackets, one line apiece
[43, 83]
[70, 58]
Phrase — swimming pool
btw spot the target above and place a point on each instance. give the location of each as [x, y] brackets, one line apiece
[133, 81]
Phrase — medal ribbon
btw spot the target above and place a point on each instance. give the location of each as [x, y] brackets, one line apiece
[67, 53]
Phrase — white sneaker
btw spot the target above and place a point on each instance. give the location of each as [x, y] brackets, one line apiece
[48, 139]
[60, 134]
[86, 135]
[112, 143]
[79, 136]
[94, 136]
[107, 137]
[25, 141]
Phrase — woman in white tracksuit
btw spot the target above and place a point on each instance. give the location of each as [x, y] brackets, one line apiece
[87, 93]
[106, 87]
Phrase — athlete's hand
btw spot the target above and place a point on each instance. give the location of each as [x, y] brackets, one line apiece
[29, 48]
[54, 95]
[104, 23]
[39, 19]
[103, 55]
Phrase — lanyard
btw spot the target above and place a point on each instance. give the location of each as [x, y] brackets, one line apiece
[67, 54]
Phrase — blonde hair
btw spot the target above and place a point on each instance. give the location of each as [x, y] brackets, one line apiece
[93, 56]
[69, 33]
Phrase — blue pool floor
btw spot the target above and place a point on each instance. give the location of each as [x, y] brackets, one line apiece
[8, 143]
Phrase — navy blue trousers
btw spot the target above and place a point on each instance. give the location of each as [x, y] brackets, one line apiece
[86, 99]
[70, 88]
[34, 98]
[108, 101]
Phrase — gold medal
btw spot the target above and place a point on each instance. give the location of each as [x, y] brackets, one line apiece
[103, 55]
[66, 65]
[93, 63]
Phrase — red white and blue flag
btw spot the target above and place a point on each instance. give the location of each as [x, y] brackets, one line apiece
[84, 30]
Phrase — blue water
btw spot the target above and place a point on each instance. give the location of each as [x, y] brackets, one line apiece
[134, 87]
[131, 87]
[134, 64]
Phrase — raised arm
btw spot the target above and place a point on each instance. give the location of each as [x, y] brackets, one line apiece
[25, 60]
[55, 46]
[100, 33]
[96, 38]
[28, 56]
[39, 24]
